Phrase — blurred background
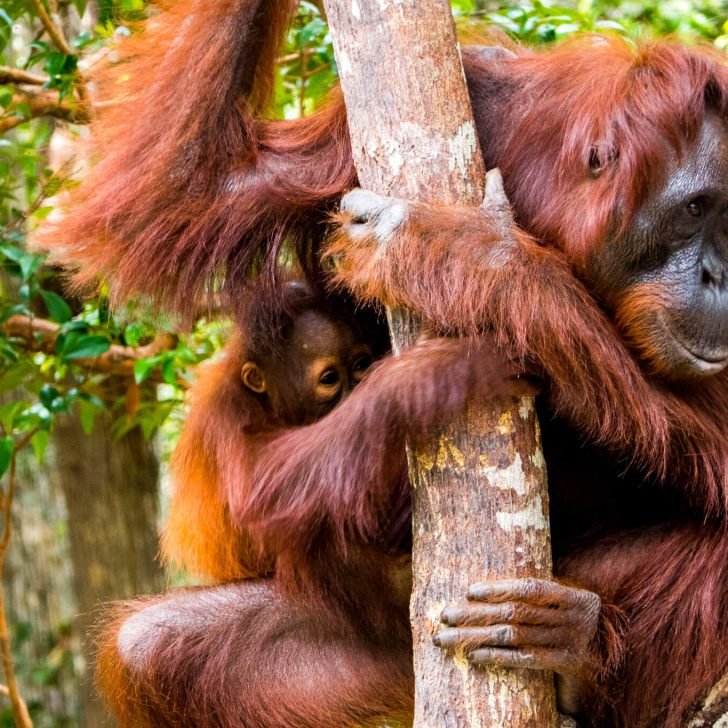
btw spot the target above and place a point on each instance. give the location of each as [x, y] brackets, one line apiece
[91, 400]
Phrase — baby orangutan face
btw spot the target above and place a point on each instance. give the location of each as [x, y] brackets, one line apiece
[322, 359]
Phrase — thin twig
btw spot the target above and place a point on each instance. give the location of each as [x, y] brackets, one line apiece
[19, 708]
[55, 33]
[304, 79]
[42, 196]
[5, 692]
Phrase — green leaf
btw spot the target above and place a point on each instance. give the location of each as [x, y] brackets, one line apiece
[39, 441]
[143, 368]
[22, 372]
[42, 212]
[87, 413]
[169, 371]
[78, 325]
[7, 448]
[58, 309]
[135, 332]
[80, 6]
[12, 253]
[29, 264]
[9, 411]
[82, 346]
[311, 30]
[52, 399]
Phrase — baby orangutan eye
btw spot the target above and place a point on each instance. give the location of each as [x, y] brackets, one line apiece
[329, 378]
[361, 365]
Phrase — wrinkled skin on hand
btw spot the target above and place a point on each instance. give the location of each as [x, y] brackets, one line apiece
[535, 624]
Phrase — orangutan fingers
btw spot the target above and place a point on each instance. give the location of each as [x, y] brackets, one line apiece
[556, 660]
[540, 592]
[482, 615]
[465, 639]
[373, 215]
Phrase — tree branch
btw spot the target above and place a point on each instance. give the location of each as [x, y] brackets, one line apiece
[40, 335]
[43, 103]
[16, 75]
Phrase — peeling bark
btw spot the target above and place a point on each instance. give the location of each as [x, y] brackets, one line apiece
[480, 498]
[714, 711]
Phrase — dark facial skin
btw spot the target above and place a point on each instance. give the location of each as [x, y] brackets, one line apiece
[675, 257]
[322, 361]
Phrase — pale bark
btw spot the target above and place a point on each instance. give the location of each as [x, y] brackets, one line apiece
[480, 499]
[714, 711]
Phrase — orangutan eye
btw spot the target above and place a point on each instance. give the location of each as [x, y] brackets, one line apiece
[329, 378]
[362, 364]
[694, 208]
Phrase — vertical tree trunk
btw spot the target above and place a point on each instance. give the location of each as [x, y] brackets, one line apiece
[111, 490]
[480, 499]
[39, 596]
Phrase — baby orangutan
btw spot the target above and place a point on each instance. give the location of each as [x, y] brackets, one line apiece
[287, 366]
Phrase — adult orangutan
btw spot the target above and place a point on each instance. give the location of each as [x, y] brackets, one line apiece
[615, 160]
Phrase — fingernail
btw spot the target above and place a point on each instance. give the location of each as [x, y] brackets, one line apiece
[436, 640]
[446, 637]
[450, 615]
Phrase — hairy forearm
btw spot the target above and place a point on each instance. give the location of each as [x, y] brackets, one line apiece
[345, 475]
[463, 275]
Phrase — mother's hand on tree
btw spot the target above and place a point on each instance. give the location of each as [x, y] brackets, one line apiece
[526, 623]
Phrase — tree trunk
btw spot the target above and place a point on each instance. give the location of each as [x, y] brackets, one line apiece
[39, 597]
[480, 500]
[111, 489]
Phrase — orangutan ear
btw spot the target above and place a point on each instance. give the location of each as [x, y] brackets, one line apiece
[252, 376]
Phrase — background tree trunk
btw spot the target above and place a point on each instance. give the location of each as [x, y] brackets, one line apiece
[111, 490]
[40, 601]
[480, 499]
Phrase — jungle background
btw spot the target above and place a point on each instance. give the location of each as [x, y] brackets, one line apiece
[92, 399]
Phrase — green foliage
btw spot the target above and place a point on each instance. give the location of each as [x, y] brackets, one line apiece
[308, 68]
[47, 376]
[543, 21]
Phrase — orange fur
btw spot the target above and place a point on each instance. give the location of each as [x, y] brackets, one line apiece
[214, 449]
